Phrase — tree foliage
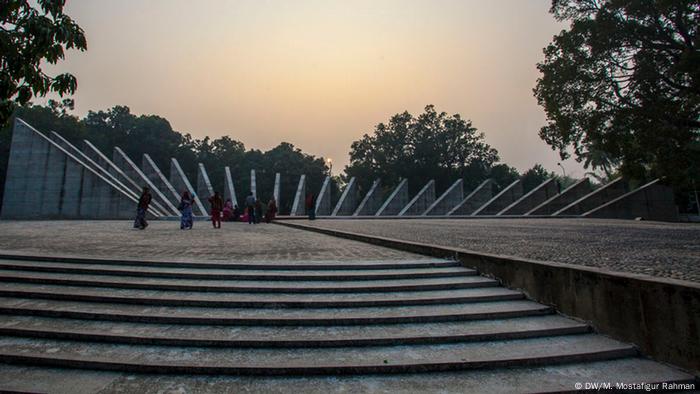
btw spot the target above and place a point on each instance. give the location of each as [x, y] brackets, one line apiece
[29, 37]
[621, 86]
[154, 135]
[430, 146]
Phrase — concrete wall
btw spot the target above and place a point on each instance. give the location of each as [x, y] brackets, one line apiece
[180, 182]
[452, 197]
[157, 177]
[348, 200]
[276, 189]
[132, 170]
[229, 189]
[253, 184]
[299, 206]
[534, 197]
[506, 197]
[596, 198]
[372, 200]
[474, 200]
[567, 196]
[204, 189]
[424, 199]
[653, 201]
[323, 200]
[396, 200]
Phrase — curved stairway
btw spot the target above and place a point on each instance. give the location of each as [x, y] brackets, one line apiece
[413, 317]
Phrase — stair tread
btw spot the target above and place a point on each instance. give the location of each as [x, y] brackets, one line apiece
[181, 297]
[221, 335]
[224, 360]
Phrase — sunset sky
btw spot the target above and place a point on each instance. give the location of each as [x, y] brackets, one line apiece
[318, 74]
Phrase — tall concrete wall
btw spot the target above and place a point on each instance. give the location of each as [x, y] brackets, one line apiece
[371, 202]
[653, 201]
[475, 200]
[229, 189]
[396, 200]
[348, 200]
[566, 197]
[158, 178]
[204, 189]
[299, 206]
[253, 184]
[448, 200]
[323, 201]
[424, 199]
[533, 198]
[596, 198]
[46, 181]
[180, 182]
[276, 190]
[132, 170]
[506, 197]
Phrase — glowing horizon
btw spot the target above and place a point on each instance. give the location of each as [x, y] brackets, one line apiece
[318, 74]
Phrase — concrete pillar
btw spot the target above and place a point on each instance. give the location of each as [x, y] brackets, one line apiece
[276, 190]
[229, 189]
[506, 197]
[534, 197]
[448, 200]
[124, 162]
[158, 178]
[596, 198]
[348, 200]
[372, 201]
[204, 189]
[299, 206]
[424, 199]
[180, 182]
[474, 200]
[652, 201]
[566, 197]
[253, 184]
[323, 201]
[396, 200]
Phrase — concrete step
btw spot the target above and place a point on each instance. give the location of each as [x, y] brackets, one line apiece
[530, 379]
[314, 361]
[255, 265]
[255, 300]
[234, 274]
[272, 316]
[126, 282]
[272, 337]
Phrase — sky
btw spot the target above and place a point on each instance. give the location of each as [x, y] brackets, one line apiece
[318, 74]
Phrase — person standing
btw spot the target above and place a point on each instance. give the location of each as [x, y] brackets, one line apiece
[250, 206]
[217, 205]
[185, 207]
[310, 208]
[271, 211]
[142, 209]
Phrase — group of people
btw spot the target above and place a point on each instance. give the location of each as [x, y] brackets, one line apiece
[220, 210]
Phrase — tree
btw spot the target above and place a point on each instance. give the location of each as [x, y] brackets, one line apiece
[28, 38]
[431, 146]
[534, 177]
[621, 85]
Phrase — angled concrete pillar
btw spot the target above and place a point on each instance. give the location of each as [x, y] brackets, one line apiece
[204, 189]
[652, 201]
[371, 202]
[104, 162]
[323, 201]
[180, 182]
[448, 200]
[348, 200]
[253, 184]
[299, 206]
[45, 180]
[229, 189]
[124, 162]
[534, 197]
[566, 197]
[474, 200]
[276, 190]
[396, 200]
[596, 198]
[424, 199]
[158, 178]
[506, 197]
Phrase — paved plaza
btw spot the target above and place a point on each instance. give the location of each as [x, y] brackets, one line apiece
[669, 250]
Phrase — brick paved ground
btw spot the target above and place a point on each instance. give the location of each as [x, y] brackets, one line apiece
[670, 250]
[164, 240]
